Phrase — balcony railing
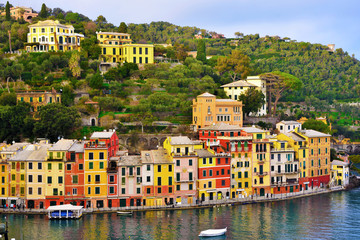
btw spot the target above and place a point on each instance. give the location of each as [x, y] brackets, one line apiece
[261, 173]
[112, 170]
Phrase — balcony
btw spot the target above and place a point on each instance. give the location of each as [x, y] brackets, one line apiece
[287, 173]
[261, 173]
[261, 161]
[112, 170]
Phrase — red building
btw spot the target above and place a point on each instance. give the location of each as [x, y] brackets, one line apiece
[75, 175]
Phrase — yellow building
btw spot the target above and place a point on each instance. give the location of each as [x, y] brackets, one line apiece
[340, 173]
[55, 172]
[235, 89]
[40, 98]
[207, 110]
[118, 48]
[260, 161]
[163, 177]
[50, 35]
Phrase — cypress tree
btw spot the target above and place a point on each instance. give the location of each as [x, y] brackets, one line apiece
[201, 51]
[123, 27]
[43, 12]
[7, 9]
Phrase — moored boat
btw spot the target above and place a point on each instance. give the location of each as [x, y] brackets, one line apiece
[213, 232]
[124, 213]
[66, 211]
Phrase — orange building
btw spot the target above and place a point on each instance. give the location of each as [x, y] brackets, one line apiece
[26, 13]
[208, 110]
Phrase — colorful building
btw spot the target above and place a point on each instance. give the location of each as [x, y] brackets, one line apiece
[50, 35]
[97, 152]
[118, 48]
[182, 152]
[340, 173]
[55, 172]
[75, 175]
[38, 99]
[288, 126]
[130, 181]
[148, 178]
[260, 161]
[208, 110]
[235, 89]
[284, 168]
[25, 13]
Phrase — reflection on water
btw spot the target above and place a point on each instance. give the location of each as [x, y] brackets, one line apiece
[325, 216]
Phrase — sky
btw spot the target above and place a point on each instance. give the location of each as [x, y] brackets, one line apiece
[314, 21]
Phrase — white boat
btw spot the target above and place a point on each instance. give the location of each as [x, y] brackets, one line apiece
[124, 213]
[213, 232]
[65, 211]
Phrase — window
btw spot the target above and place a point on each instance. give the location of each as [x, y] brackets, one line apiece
[159, 190]
[123, 171]
[91, 165]
[111, 178]
[22, 166]
[222, 182]
[101, 165]
[210, 173]
[39, 166]
[30, 178]
[134, 50]
[81, 167]
[60, 180]
[60, 166]
[97, 178]
[261, 180]
[49, 180]
[210, 160]
[190, 176]
[39, 178]
[30, 167]
[170, 168]
[159, 181]
[170, 181]
[222, 171]
[131, 171]
[146, 51]
[89, 178]
[159, 168]
[89, 190]
[13, 177]
[75, 179]
[97, 190]
[101, 155]
[148, 179]
[112, 190]
[74, 191]
[190, 186]
[91, 156]
[204, 161]
[68, 167]
[22, 177]
[204, 173]
[178, 163]
[148, 190]
[138, 171]
[210, 184]
[178, 187]
[178, 177]
[148, 167]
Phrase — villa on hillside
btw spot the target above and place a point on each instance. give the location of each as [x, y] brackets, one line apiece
[25, 13]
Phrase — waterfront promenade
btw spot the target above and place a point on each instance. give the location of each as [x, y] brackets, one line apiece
[204, 204]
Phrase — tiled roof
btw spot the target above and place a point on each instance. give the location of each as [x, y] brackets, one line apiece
[204, 153]
[222, 127]
[240, 83]
[62, 145]
[313, 133]
[77, 147]
[181, 140]
[130, 160]
[295, 136]
[96, 135]
[252, 130]
[206, 94]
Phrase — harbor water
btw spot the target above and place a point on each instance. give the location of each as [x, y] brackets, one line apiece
[326, 216]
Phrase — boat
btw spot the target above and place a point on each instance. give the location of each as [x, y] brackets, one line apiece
[124, 213]
[213, 232]
[66, 211]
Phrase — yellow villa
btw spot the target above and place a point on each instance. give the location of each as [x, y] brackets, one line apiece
[38, 99]
[118, 48]
[50, 35]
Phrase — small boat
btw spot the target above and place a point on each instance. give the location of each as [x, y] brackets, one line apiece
[213, 232]
[124, 213]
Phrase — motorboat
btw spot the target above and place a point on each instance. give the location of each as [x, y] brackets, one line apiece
[213, 232]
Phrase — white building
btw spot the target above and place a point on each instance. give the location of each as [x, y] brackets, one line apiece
[288, 126]
[340, 173]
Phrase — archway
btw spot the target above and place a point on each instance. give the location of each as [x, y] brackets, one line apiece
[93, 122]
[31, 204]
[262, 192]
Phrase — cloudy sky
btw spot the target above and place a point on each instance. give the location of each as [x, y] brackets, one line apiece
[315, 21]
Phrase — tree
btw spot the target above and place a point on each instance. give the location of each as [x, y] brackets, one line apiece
[237, 65]
[7, 10]
[56, 121]
[43, 12]
[8, 99]
[100, 21]
[238, 34]
[90, 48]
[316, 125]
[123, 28]
[74, 64]
[252, 100]
[96, 81]
[145, 119]
[201, 51]
[277, 83]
